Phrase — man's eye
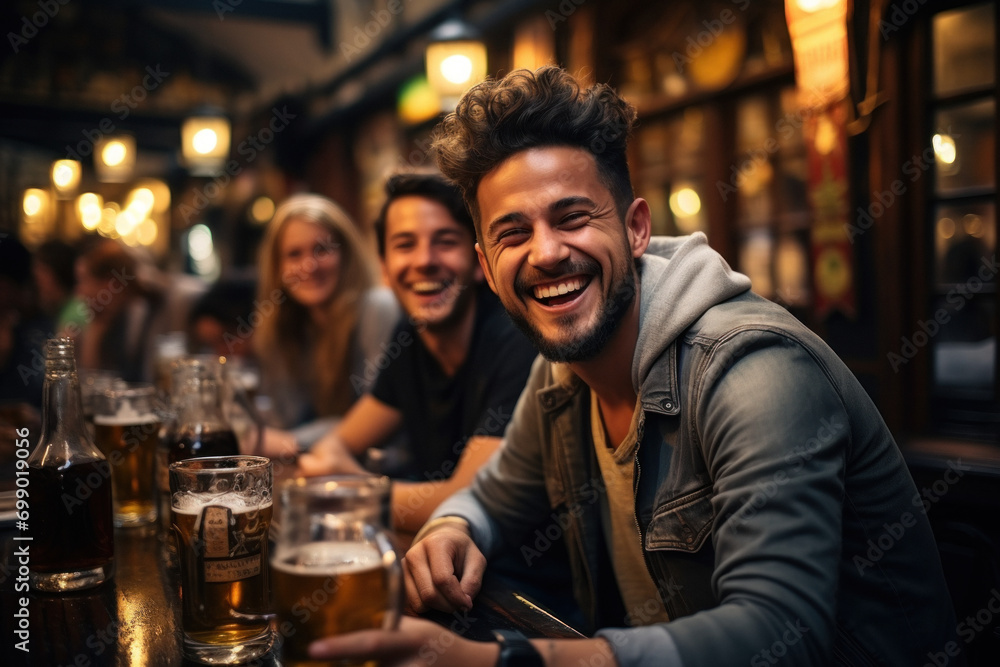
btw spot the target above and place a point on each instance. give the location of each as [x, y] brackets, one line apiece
[575, 217]
[512, 234]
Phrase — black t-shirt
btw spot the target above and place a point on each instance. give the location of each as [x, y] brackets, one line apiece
[439, 412]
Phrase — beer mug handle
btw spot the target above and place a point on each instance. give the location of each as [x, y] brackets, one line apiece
[394, 580]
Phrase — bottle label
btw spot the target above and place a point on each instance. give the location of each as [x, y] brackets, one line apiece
[231, 552]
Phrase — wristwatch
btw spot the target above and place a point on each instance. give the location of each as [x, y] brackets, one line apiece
[516, 650]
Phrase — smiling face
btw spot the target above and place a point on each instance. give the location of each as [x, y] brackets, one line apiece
[309, 262]
[556, 251]
[429, 261]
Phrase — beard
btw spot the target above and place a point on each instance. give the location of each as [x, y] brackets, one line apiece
[584, 345]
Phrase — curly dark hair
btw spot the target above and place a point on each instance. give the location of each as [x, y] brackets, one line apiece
[524, 109]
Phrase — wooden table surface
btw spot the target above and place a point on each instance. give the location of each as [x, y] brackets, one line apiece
[134, 620]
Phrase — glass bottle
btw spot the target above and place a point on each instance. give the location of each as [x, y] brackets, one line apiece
[202, 428]
[69, 489]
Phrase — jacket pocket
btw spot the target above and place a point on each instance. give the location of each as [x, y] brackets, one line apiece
[683, 524]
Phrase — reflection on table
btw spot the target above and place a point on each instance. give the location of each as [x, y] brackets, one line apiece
[135, 619]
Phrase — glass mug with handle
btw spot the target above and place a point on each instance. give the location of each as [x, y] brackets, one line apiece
[334, 568]
[221, 510]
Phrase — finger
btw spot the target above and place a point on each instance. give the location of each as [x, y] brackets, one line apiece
[445, 569]
[425, 584]
[471, 573]
[413, 601]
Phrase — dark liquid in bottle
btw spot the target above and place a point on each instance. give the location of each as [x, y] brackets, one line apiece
[71, 523]
[204, 442]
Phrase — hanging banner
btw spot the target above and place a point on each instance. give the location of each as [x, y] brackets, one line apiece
[825, 136]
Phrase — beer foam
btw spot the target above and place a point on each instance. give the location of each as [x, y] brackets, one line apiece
[189, 503]
[330, 558]
[133, 419]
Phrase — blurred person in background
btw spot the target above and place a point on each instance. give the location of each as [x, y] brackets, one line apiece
[220, 320]
[125, 298]
[319, 315]
[53, 268]
[23, 329]
[453, 368]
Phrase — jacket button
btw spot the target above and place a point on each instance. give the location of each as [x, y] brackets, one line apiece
[667, 404]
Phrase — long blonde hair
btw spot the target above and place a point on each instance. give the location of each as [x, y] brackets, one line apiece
[281, 336]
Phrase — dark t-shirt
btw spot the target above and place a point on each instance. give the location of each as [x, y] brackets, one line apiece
[439, 412]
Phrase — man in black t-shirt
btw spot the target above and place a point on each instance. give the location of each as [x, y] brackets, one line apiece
[449, 376]
[441, 411]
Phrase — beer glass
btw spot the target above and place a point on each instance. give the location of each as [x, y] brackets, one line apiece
[334, 568]
[221, 509]
[127, 420]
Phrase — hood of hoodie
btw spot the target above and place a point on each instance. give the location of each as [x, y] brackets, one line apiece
[680, 278]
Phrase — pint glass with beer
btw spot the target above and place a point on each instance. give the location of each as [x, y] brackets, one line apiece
[221, 510]
[127, 420]
[334, 568]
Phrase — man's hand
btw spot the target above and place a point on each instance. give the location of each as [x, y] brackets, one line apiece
[416, 642]
[329, 456]
[444, 570]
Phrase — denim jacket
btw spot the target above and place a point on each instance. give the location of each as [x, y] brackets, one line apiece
[777, 517]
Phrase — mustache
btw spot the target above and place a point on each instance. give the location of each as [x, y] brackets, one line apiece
[531, 276]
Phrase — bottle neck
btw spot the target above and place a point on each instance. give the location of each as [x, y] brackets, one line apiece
[201, 403]
[62, 408]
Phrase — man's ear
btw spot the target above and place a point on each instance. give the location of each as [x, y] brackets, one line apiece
[638, 226]
[484, 269]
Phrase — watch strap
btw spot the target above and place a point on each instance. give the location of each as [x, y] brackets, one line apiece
[516, 650]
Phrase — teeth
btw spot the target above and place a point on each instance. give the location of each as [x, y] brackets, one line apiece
[427, 286]
[557, 290]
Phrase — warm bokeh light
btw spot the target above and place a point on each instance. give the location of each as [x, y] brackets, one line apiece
[140, 202]
[90, 207]
[261, 210]
[114, 158]
[126, 222]
[35, 202]
[114, 153]
[160, 192]
[66, 176]
[457, 68]
[109, 215]
[944, 148]
[973, 225]
[946, 228]
[685, 202]
[205, 141]
[146, 232]
[815, 5]
[452, 67]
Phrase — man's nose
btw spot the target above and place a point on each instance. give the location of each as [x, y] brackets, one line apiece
[547, 248]
[425, 255]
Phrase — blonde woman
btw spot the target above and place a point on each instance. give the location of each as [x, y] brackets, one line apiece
[322, 318]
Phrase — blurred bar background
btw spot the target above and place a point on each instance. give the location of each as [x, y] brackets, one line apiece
[841, 154]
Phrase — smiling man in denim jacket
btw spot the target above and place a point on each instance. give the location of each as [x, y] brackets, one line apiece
[719, 475]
